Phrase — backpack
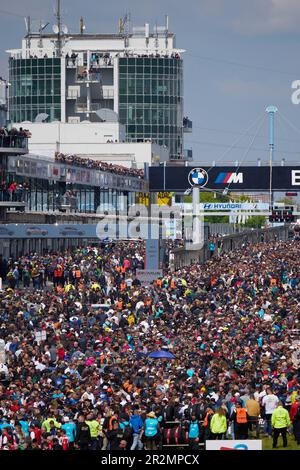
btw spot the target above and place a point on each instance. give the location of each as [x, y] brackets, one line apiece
[127, 432]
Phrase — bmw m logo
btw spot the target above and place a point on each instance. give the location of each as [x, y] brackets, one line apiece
[198, 177]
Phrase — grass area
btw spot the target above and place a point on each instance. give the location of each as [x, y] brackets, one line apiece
[292, 444]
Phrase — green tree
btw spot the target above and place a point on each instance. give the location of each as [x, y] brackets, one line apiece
[257, 221]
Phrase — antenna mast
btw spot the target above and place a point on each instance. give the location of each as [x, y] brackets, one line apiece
[28, 31]
[167, 30]
[58, 18]
[156, 37]
[126, 28]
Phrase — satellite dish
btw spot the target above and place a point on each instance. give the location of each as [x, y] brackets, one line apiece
[64, 29]
[42, 117]
[55, 29]
[107, 114]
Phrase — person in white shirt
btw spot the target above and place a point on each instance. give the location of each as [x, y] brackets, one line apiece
[3, 369]
[269, 402]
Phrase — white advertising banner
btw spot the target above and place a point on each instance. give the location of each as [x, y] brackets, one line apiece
[146, 276]
[246, 444]
[40, 336]
[226, 206]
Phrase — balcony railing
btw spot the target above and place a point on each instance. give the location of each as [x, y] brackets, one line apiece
[13, 141]
[187, 125]
[73, 94]
[101, 62]
[108, 92]
[87, 78]
[82, 107]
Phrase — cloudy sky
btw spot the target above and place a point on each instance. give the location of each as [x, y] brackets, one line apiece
[240, 57]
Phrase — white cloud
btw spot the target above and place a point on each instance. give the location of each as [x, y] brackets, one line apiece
[257, 16]
[272, 16]
[249, 89]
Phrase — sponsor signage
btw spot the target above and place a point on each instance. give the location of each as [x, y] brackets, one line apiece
[198, 177]
[164, 199]
[224, 206]
[246, 178]
[146, 276]
[247, 444]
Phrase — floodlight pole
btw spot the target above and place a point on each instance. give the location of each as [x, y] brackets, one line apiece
[271, 110]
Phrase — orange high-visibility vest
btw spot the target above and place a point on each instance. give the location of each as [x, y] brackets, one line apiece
[123, 285]
[77, 273]
[241, 416]
[205, 422]
[172, 283]
[120, 305]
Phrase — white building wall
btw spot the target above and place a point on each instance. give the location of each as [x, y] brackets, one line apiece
[90, 140]
[47, 138]
[131, 154]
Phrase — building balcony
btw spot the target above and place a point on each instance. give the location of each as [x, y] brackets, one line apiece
[187, 125]
[73, 94]
[188, 154]
[13, 144]
[102, 63]
[107, 92]
[83, 77]
[83, 108]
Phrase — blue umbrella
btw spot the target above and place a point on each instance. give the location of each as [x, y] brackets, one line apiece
[161, 354]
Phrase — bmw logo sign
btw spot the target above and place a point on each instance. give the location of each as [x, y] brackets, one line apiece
[198, 177]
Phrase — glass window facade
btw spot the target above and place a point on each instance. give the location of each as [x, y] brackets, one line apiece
[35, 88]
[151, 100]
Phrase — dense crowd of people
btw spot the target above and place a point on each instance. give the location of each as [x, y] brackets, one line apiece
[98, 165]
[78, 328]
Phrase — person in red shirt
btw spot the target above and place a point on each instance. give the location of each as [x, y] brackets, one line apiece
[294, 409]
[63, 440]
[60, 352]
[36, 433]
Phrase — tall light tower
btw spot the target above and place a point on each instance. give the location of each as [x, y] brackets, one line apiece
[271, 110]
